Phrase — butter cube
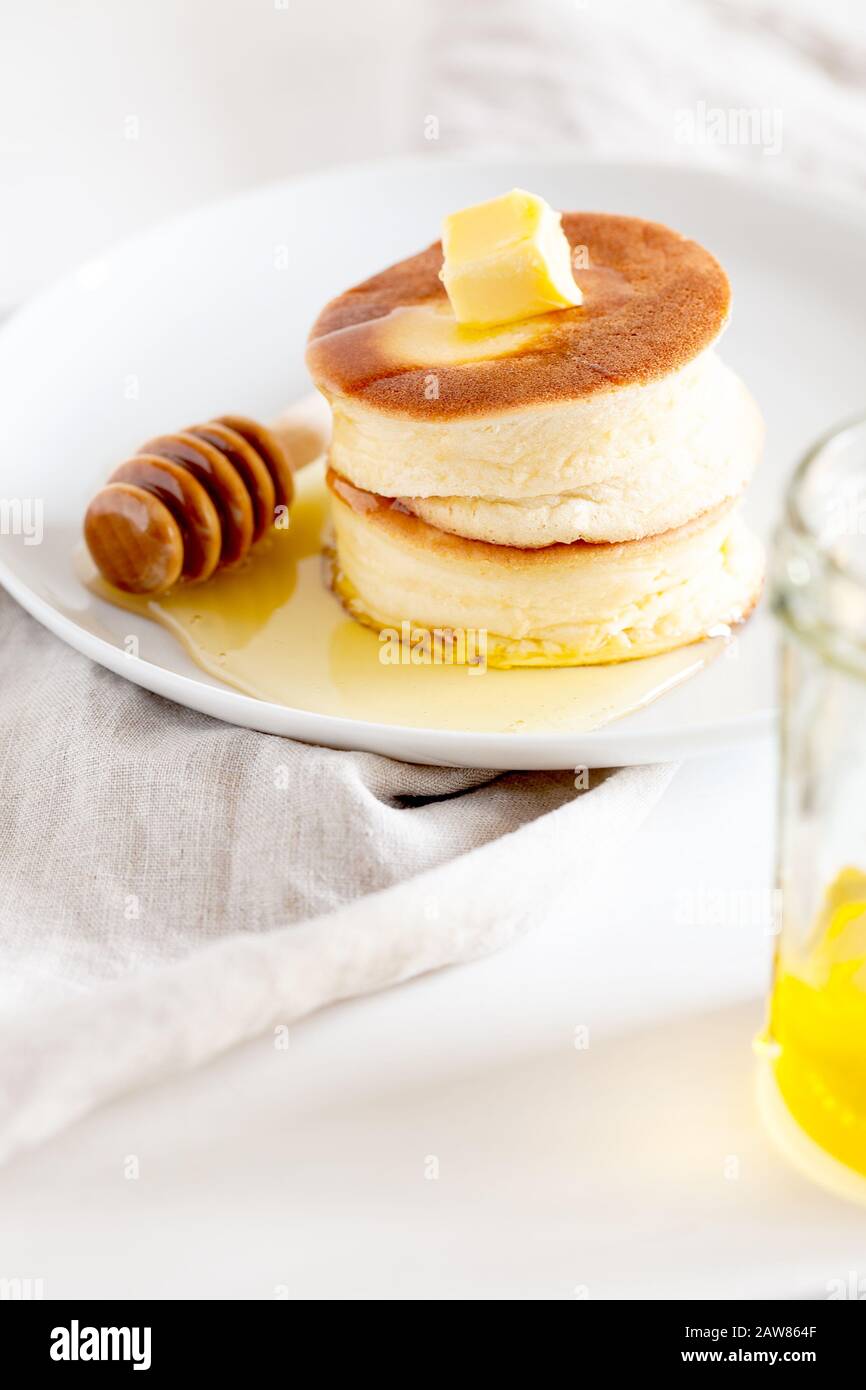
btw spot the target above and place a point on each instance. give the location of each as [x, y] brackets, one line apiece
[507, 259]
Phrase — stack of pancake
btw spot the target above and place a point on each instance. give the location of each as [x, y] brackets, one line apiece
[570, 483]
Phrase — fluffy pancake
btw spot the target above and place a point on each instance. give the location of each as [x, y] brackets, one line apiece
[652, 302]
[616, 466]
[566, 605]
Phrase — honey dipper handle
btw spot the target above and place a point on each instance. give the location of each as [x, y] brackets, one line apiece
[304, 429]
[191, 501]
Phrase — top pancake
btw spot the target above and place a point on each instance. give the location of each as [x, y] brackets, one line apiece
[652, 301]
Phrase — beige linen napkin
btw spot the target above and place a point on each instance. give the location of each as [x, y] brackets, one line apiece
[170, 885]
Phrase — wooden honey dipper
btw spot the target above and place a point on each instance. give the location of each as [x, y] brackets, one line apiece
[189, 503]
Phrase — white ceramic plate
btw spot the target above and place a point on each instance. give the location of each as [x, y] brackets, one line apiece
[211, 312]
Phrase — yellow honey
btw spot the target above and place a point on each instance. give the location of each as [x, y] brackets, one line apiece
[814, 1047]
[272, 628]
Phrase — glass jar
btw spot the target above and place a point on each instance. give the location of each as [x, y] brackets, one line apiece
[812, 1073]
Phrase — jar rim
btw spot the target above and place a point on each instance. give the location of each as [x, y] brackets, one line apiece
[818, 583]
[795, 515]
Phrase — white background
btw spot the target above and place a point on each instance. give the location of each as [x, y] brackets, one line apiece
[114, 114]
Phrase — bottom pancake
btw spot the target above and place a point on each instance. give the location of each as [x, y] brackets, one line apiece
[562, 605]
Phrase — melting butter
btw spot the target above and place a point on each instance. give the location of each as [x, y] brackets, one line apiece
[428, 335]
[506, 259]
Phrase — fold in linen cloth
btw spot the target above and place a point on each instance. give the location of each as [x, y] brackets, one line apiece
[171, 886]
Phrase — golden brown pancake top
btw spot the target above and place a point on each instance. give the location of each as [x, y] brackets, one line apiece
[652, 301]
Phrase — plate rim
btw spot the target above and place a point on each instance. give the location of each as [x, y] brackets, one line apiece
[482, 745]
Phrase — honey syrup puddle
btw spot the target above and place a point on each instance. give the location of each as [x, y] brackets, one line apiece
[271, 628]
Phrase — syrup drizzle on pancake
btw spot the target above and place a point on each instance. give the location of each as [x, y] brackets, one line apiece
[653, 301]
